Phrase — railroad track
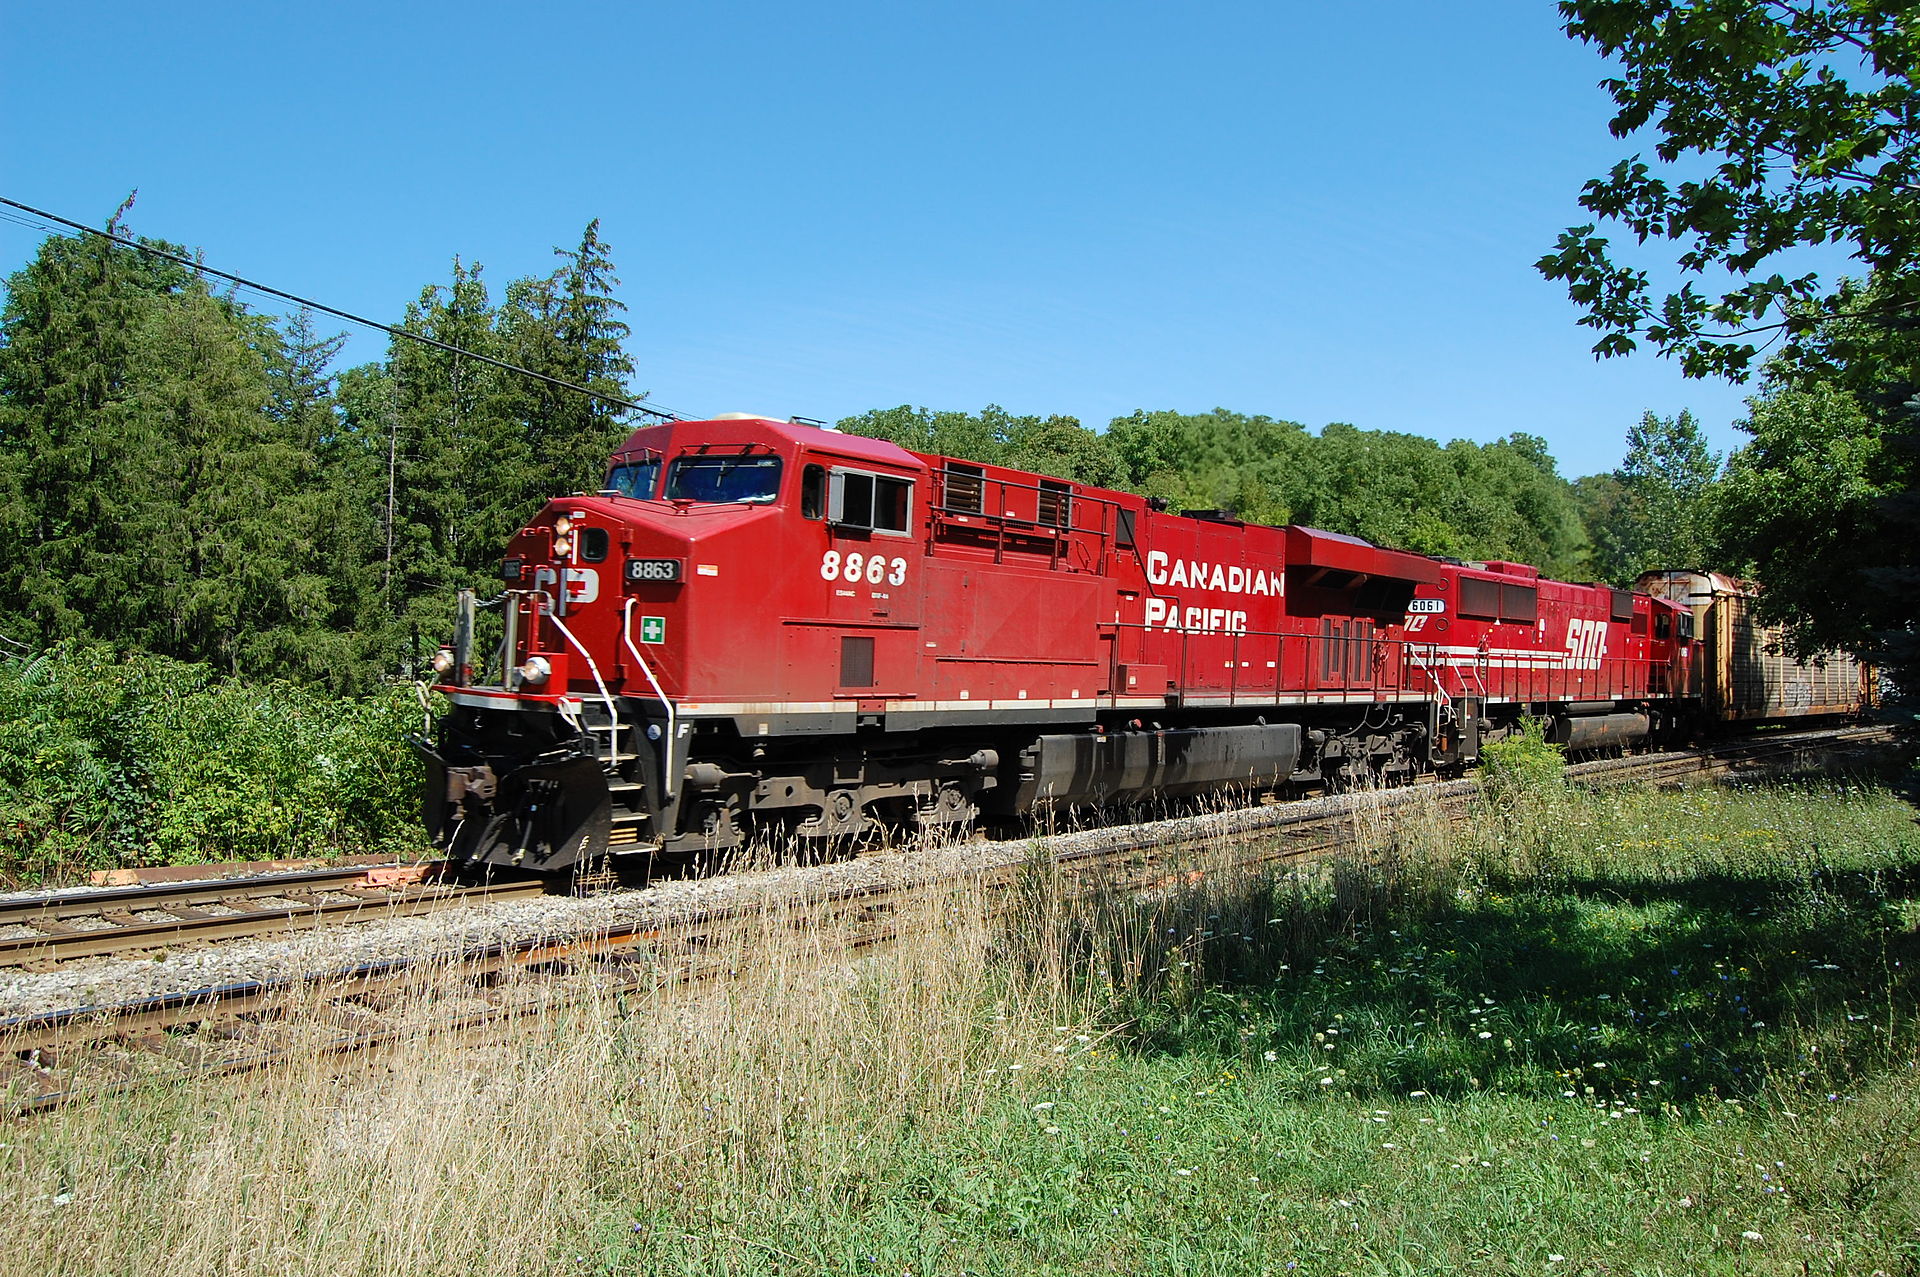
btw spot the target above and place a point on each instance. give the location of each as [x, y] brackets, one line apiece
[80, 1052]
[60, 926]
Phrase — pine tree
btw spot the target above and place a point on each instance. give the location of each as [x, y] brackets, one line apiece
[458, 456]
[567, 326]
[68, 457]
[330, 506]
[160, 456]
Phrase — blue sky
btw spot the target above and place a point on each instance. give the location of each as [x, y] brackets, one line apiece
[1317, 212]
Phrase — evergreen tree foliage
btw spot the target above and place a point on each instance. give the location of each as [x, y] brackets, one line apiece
[68, 340]
[567, 326]
[579, 437]
[161, 496]
[460, 456]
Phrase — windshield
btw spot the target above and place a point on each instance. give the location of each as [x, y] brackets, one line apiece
[724, 479]
[638, 479]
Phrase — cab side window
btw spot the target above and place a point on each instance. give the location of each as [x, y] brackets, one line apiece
[813, 492]
[878, 502]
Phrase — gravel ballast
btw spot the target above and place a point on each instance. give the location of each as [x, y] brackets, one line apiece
[114, 979]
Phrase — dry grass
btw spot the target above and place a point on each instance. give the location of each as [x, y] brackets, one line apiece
[606, 1114]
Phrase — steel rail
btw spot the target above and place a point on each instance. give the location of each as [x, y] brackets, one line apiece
[115, 908]
[55, 906]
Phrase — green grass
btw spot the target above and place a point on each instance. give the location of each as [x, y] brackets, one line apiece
[1179, 1167]
[1687, 1046]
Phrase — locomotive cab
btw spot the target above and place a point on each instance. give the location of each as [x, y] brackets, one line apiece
[658, 607]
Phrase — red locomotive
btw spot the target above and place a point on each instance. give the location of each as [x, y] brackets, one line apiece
[764, 624]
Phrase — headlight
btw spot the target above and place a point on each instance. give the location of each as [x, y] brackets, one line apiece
[535, 670]
[443, 660]
[562, 525]
[562, 547]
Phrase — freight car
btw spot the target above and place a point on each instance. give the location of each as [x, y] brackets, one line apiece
[764, 625]
[1742, 670]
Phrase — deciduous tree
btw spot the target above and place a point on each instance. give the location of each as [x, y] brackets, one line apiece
[1777, 125]
[1773, 125]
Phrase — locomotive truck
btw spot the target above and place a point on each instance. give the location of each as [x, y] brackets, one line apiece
[765, 625]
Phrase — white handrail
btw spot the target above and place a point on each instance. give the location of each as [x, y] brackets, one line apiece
[613, 714]
[1413, 650]
[666, 764]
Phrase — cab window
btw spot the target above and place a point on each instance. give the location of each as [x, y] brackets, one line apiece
[754, 479]
[637, 479]
[813, 492]
[877, 501]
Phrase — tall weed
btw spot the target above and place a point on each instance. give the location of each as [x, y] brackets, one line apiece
[1524, 789]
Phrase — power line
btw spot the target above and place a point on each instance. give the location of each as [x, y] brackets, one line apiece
[203, 269]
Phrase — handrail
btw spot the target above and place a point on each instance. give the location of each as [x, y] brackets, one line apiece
[666, 760]
[994, 518]
[1413, 650]
[613, 714]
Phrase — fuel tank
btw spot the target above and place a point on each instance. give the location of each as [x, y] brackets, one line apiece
[1600, 731]
[1099, 768]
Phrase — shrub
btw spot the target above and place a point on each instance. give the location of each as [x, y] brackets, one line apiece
[109, 760]
[1522, 768]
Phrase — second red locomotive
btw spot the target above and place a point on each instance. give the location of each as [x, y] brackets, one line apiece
[759, 623]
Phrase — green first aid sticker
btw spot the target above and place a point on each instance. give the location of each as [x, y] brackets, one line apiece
[653, 629]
